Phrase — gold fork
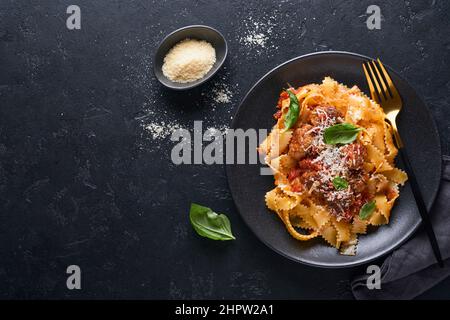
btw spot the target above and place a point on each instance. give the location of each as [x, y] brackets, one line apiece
[383, 91]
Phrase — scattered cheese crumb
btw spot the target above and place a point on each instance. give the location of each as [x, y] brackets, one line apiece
[259, 39]
[161, 130]
[222, 94]
[256, 33]
[222, 130]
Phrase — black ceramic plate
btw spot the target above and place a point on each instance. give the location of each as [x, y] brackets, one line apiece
[248, 187]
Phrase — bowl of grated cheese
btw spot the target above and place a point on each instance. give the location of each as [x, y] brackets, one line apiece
[189, 56]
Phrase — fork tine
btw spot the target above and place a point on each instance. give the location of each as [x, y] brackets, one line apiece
[389, 80]
[369, 82]
[378, 89]
[381, 80]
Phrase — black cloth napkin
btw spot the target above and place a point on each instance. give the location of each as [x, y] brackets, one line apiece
[412, 269]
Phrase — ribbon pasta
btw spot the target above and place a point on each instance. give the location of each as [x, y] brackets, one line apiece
[303, 165]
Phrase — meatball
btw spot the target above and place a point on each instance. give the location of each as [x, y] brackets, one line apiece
[307, 165]
[320, 114]
[354, 155]
[303, 175]
[358, 181]
[300, 142]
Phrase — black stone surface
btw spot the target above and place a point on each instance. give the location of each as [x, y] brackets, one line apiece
[81, 181]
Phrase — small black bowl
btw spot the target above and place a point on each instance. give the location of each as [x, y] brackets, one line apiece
[198, 32]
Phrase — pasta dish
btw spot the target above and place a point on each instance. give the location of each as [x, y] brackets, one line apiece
[332, 155]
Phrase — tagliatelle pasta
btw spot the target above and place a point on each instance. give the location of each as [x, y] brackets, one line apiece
[331, 188]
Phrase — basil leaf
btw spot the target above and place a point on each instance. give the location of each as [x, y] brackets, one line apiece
[367, 210]
[293, 112]
[340, 183]
[342, 133]
[209, 224]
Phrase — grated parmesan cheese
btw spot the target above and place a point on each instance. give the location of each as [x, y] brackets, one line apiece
[333, 164]
[189, 60]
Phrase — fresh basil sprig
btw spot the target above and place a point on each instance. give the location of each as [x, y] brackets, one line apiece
[209, 224]
[342, 133]
[367, 210]
[340, 183]
[293, 112]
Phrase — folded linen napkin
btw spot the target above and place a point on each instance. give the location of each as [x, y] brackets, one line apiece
[412, 269]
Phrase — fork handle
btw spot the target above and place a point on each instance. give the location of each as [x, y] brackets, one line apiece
[421, 206]
[394, 130]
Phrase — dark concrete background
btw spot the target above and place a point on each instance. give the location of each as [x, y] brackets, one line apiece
[81, 181]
